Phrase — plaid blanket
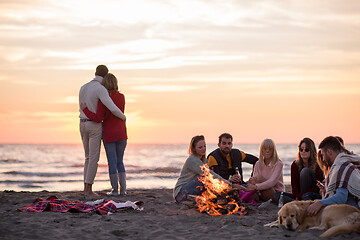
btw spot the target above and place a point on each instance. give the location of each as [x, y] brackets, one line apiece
[344, 173]
[103, 207]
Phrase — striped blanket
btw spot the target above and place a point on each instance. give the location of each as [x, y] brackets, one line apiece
[103, 207]
[344, 173]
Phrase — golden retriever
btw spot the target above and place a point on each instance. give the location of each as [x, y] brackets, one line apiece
[335, 219]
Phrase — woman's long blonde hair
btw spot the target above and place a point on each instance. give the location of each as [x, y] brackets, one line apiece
[110, 82]
[268, 143]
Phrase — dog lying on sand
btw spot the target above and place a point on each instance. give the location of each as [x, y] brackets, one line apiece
[334, 219]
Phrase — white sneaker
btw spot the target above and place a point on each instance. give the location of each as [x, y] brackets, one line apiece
[265, 204]
[112, 193]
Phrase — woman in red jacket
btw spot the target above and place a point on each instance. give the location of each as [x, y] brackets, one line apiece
[114, 134]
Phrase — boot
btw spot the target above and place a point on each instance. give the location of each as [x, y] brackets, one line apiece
[122, 181]
[247, 197]
[114, 185]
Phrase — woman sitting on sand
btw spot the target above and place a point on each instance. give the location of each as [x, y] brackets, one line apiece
[268, 172]
[188, 182]
[305, 173]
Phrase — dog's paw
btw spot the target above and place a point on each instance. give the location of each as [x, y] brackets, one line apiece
[319, 228]
[273, 224]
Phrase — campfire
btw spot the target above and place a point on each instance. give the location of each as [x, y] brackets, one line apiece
[218, 198]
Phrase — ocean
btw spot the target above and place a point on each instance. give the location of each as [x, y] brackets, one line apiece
[37, 167]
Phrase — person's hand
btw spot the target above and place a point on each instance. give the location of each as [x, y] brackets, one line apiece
[236, 179]
[253, 180]
[314, 208]
[321, 188]
[82, 106]
[239, 187]
[250, 187]
[320, 185]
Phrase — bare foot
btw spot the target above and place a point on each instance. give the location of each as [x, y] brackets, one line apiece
[90, 194]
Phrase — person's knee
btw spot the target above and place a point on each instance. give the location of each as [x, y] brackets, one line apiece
[267, 194]
[306, 172]
[257, 179]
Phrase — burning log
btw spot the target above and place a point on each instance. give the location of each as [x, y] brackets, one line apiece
[218, 198]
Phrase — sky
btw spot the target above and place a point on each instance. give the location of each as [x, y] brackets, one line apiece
[283, 70]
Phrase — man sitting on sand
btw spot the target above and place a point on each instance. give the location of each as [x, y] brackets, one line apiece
[342, 183]
[224, 160]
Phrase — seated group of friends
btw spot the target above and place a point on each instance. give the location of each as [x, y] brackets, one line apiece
[331, 175]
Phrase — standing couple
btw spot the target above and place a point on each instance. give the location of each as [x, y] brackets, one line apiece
[102, 117]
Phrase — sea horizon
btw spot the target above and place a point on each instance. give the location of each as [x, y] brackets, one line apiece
[59, 167]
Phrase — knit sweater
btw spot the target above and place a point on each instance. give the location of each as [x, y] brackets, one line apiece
[91, 92]
[113, 127]
[272, 174]
[190, 171]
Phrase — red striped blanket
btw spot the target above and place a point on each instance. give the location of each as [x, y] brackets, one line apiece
[103, 207]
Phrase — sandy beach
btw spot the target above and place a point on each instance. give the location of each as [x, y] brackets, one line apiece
[161, 218]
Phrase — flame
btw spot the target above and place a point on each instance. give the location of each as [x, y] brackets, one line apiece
[208, 201]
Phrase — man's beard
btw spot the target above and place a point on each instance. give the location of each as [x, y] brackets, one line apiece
[328, 161]
[225, 151]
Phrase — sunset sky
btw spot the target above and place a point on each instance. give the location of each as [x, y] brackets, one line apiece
[256, 69]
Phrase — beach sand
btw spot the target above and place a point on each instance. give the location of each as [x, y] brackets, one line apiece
[161, 218]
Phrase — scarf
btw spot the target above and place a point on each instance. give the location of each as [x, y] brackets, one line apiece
[344, 173]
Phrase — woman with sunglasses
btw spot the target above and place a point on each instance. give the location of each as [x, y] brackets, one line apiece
[268, 172]
[305, 174]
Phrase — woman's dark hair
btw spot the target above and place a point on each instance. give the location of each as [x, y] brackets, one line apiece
[312, 159]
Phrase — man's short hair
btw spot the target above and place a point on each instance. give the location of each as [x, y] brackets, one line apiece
[225, 135]
[101, 70]
[330, 143]
[340, 140]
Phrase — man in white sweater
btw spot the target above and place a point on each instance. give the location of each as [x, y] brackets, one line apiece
[90, 93]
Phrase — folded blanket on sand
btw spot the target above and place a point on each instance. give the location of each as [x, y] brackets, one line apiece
[103, 207]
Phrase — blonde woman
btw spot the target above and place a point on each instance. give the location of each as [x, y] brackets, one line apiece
[268, 172]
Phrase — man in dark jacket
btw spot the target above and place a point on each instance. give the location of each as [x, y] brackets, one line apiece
[224, 160]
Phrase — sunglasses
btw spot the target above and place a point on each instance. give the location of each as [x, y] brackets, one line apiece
[267, 149]
[302, 149]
